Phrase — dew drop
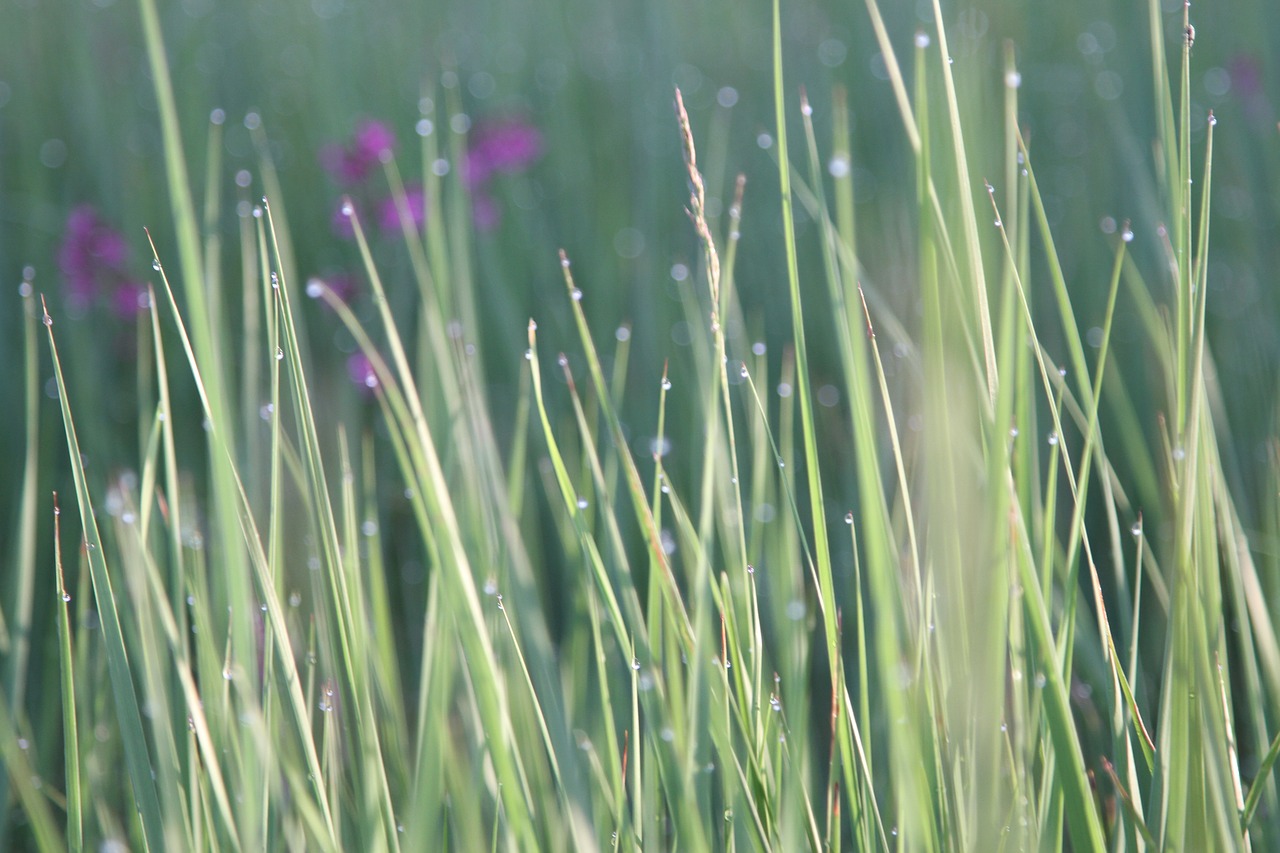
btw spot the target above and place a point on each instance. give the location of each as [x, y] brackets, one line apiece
[66, 596]
[279, 354]
[775, 703]
[666, 384]
[48, 321]
[635, 664]
[564, 262]
[576, 295]
[743, 371]
[1013, 432]
[848, 518]
[275, 280]
[528, 355]
[583, 503]
[751, 570]
[806, 109]
[295, 599]
[999, 224]
[1053, 438]
[922, 39]
[347, 209]
[315, 287]
[1127, 235]
[155, 265]
[1136, 529]
[563, 360]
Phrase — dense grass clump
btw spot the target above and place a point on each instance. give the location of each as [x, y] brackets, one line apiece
[920, 524]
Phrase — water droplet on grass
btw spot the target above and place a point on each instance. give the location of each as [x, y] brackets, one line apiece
[1136, 529]
[66, 596]
[775, 703]
[1053, 438]
[666, 384]
[1127, 235]
[922, 39]
[576, 295]
[155, 265]
[583, 503]
[279, 354]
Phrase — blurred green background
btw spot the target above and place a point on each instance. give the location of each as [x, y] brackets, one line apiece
[78, 123]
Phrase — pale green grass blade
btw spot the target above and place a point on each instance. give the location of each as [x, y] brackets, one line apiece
[70, 728]
[136, 751]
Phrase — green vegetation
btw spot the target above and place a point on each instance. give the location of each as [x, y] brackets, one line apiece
[877, 499]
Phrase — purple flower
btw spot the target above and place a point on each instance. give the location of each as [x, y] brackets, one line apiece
[352, 163]
[342, 285]
[93, 258]
[485, 212]
[389, 214]
[361, 371]
[341, 220]
[506, 146]
[130, 299]
[373, 139]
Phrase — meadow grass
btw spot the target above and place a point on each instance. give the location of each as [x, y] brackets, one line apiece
[987, 602]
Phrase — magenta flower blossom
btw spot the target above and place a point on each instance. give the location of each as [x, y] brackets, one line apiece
[94, 259]
[341, 221]
[389, 215]
[485, 212]
[352, 163]
[130, 299]
[507, 146]
[361, 371]
[342, 285]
